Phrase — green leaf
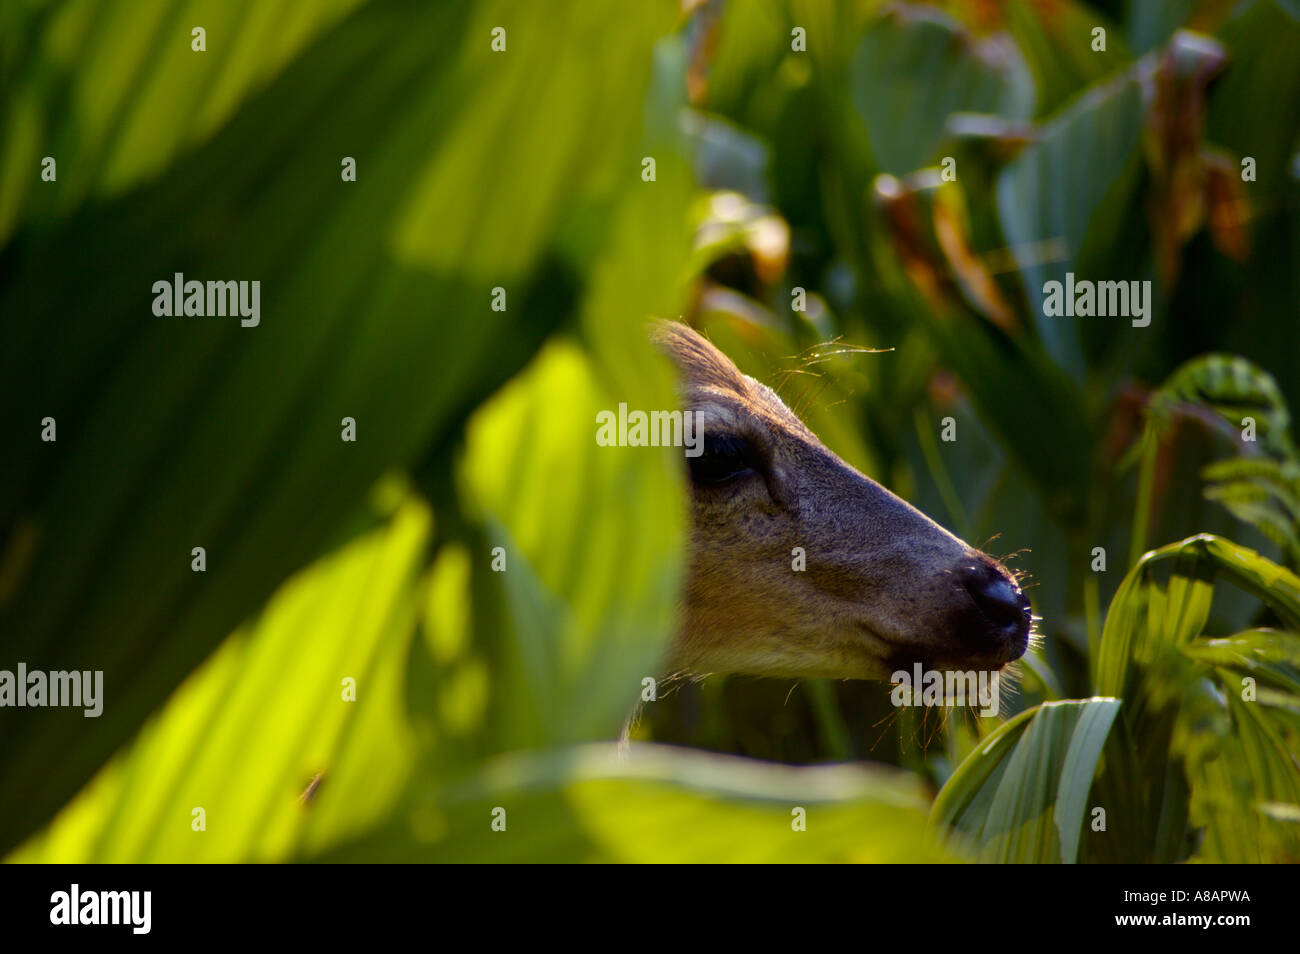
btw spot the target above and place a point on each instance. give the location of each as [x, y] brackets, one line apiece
[915, 67]
[115, 93]
[1014, 385]
[1263, 493]
[1146, 619]
[176, 433]
[1254, 110]
[244, 736]
[657, 804]
[1021, 796]
[1270, 654]
[589, 587]
[1057, 42]
[1233, 389]
[1152, 24]
[1245, 777]
[1184, 737]
[1053, 193]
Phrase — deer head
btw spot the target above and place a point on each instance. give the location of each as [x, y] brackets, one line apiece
[883, 587]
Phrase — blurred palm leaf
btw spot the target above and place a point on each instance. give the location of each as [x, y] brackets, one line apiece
[150, 410]
[1056, 38]
[1151, 24]
[588, 804]
[1051, 195]
[212, 745]
[914, 67]
[1254, 108]
[585, 605]
[114, 92]
[1013, 383]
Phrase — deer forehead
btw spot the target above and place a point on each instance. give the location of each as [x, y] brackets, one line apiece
[757, 412]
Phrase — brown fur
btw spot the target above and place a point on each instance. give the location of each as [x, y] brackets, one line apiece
[882, 587]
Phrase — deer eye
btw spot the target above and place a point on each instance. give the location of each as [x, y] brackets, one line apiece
[725, 458]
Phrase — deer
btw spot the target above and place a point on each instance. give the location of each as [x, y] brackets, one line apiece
[882, 587]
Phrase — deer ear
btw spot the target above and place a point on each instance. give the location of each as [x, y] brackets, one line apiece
[695, 356]
[673, 338]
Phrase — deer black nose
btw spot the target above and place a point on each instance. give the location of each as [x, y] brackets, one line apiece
[1002, 629]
